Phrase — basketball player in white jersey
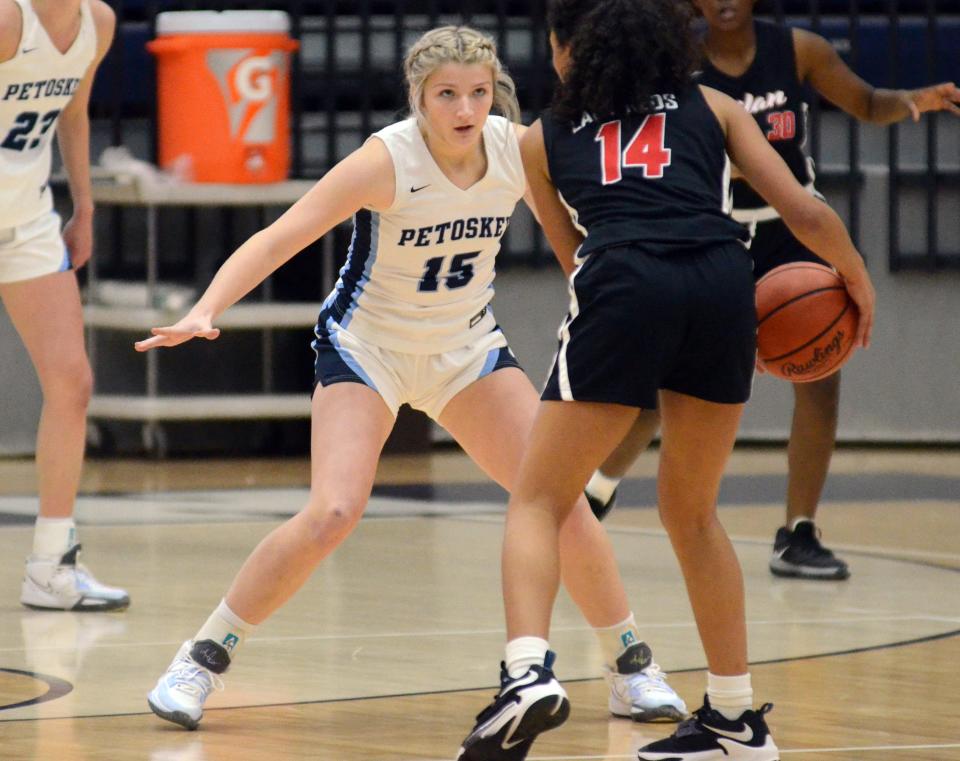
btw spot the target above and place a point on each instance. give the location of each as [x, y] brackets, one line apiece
[408, 322]
[49, 52]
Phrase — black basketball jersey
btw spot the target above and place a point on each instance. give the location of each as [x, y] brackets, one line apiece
[659, 180]
[770, 90]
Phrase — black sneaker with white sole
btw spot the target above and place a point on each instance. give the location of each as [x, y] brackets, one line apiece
[524, 708]
[600, 508]
[709, 736]
[799, 554]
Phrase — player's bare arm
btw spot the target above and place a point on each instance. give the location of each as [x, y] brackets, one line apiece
[73, 139]
[364, 179]
[520, 130]
[814, 223]
[564, 238]
[820, 65]
[11, 29]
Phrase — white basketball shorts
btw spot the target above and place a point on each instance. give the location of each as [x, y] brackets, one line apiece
[32, 249]
[426, 382]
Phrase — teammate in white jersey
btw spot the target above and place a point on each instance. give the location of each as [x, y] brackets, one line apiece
[49, 52]
[408, 321]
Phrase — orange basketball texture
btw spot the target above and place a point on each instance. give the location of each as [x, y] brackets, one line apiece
[806, 322]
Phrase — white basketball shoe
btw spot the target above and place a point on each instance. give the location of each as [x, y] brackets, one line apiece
[65, 584]
[183, 688]
[639, 689]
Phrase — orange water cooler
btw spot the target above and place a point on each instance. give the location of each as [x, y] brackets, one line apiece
[223, 94]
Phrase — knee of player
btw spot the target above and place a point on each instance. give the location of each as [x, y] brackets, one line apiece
[680, 522]
[336, 516]
[68, 384]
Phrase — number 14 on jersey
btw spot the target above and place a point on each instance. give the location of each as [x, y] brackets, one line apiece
[646, 150]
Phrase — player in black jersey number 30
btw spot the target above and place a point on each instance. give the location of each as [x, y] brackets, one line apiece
[661, 316]
[768, 67]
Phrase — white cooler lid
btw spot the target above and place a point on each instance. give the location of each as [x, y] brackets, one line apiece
[225, 22]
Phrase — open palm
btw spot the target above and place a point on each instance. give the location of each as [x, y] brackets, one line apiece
[181, 332]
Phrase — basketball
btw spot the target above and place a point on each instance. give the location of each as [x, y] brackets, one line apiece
[806, 322]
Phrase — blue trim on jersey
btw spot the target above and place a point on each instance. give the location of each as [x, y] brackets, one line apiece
[66, 263]
[356, 271]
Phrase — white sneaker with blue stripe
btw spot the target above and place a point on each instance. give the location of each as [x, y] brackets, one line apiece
[65, 584]
[184, 687]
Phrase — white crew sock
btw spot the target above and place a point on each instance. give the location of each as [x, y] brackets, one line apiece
[601, 487]
[797, 521]
[730, 695]
[52, 537]
[524, 652]
[617, 638]
[225, 628]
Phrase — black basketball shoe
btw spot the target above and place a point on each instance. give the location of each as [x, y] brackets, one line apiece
[599, 507]
[799, 554]
[524, 707]
[709, 736]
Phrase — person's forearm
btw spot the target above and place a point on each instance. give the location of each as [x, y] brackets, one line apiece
[565, 264]
[246, 268]
[823, 232]
[888, 106]
[73, 138]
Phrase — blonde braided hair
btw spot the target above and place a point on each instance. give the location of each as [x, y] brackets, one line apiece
[463, 45]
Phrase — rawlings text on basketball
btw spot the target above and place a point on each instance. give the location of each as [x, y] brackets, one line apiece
[821, 356]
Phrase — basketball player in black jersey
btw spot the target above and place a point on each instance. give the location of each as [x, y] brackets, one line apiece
[661, 315]
[770, 69]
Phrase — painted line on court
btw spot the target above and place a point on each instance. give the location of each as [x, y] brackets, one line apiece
[850, 749]
[899, 554]
[56, 688]
[487, 688]
[855, 620]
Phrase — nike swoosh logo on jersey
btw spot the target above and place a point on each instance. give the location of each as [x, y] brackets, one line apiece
[745, 736]
[417, 190]
[28, 50]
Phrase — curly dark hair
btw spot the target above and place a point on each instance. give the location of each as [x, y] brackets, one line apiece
[622, 52]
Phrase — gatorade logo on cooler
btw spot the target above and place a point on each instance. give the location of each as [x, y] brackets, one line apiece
[248, 84]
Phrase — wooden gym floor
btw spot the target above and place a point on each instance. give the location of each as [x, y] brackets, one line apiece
[394, 644]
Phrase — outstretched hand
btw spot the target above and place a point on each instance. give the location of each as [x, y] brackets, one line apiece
[942, 97]
[174, 335]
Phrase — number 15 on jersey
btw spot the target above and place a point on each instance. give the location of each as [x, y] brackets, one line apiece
[646, 150]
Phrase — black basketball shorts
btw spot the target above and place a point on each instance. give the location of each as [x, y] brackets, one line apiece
[773, 244]
[640, 322]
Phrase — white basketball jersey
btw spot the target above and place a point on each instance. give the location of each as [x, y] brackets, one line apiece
[35, 86]
[419, 275]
